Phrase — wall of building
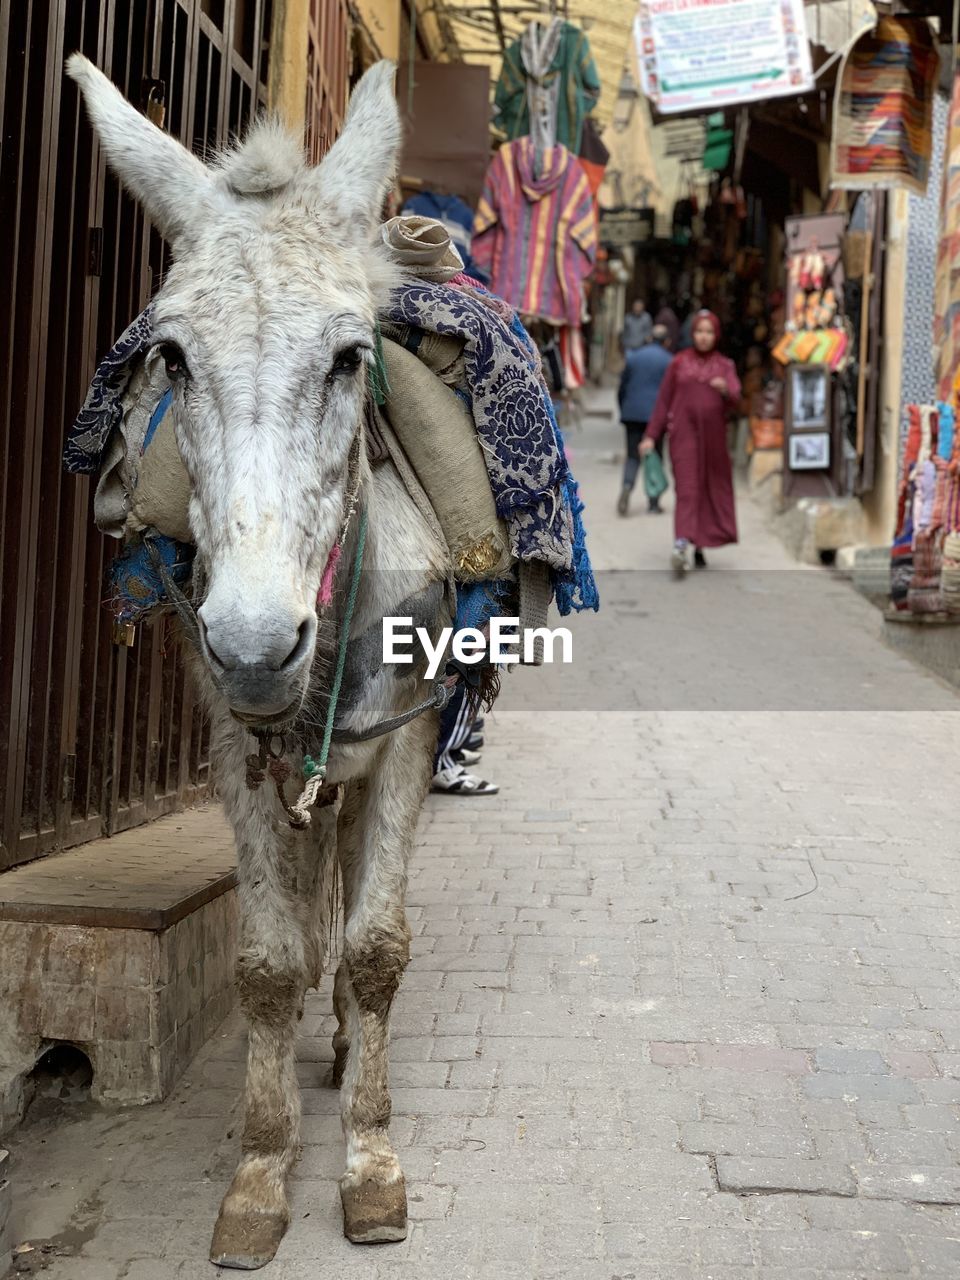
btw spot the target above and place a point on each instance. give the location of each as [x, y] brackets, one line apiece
[382, 21]
[288, 62]
[907, 374]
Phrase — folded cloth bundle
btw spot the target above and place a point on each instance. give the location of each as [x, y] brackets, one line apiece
[423, 247]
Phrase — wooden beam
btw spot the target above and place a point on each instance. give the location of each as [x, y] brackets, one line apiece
[498, 23]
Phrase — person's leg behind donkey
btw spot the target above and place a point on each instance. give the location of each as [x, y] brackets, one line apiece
[631, 465]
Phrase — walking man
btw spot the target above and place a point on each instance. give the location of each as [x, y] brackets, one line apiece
[637, 326]
[639, 387]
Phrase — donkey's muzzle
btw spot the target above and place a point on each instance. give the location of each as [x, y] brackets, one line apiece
[260, 668]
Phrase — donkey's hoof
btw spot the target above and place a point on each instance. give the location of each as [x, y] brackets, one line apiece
[247, 1241]
[374, 1212]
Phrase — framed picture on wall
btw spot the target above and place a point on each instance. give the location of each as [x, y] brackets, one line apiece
[810, 452]
[809, 397]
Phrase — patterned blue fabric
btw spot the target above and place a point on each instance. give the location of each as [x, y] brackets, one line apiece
[517, 428]
[136, 588]
[102, 410]
[577, 590]
[478, 602]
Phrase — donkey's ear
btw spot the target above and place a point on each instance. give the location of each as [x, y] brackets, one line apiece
[354, 177]
[173, 186]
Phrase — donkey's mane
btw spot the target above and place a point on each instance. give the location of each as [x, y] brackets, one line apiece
[266, 159]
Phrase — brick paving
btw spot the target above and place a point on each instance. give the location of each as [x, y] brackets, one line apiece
[684, 1000]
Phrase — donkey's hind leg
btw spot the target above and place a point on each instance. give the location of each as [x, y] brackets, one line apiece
[375, 836]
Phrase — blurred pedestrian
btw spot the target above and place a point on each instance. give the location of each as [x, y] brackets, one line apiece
[698, 393]
[640, 382]
[637, 326]
[668, 318]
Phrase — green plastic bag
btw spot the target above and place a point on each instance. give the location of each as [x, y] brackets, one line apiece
[654, 478]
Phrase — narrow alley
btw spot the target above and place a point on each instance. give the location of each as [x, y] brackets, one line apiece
[684, 1000]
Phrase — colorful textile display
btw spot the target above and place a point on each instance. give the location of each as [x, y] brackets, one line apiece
[883, 108]
[552, 67]
[946, 317]
[535, 232]
[950, 573]
[922, 577]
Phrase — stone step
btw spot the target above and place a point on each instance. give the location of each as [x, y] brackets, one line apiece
[123, 948]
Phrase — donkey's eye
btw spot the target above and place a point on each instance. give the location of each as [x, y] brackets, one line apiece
[173, 360]
[347, 361]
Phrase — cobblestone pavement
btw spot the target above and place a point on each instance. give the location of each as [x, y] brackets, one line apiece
[684, 1000]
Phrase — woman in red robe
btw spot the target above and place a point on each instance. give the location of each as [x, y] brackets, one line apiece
[697, 394]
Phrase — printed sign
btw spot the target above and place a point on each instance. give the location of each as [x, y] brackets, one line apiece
[621, 227]
[705, 54]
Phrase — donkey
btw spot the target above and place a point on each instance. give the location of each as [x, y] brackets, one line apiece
[266, 321]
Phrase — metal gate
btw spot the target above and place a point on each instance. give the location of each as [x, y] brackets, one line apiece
[328, 33]
[93, 738]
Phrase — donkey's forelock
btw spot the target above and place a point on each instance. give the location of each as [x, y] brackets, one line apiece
[269, 159]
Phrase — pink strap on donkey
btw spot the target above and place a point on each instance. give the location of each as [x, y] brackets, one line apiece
[325, 594]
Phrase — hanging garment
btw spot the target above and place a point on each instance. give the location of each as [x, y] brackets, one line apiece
[883, 109]
[593, 156]
[538, 48]
[536, 236]
[456, 216]
[573, 356]
[946, 317]
[570, 80]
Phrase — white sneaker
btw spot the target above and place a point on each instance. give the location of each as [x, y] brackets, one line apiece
[458, 782]
[681, 558]
[464, 756]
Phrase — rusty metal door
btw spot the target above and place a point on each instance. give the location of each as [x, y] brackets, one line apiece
[93, 738]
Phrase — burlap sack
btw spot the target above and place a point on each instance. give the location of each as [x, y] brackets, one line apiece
[161, 499]
[437, 434]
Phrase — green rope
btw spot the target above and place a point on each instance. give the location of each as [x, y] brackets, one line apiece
[312, 767]
[377, 375]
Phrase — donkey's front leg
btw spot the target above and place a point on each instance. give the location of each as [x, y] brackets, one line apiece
[376, 831]
[274, 969]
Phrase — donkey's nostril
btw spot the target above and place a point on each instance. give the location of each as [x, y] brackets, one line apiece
[305, 634]
[211, 652]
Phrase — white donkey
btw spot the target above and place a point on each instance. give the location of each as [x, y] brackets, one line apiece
[267, 325]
